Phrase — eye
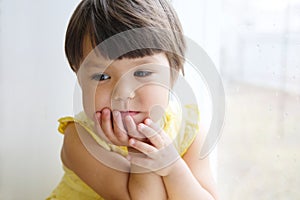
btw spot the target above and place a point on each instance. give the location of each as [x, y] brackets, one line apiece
[142, 73]
[100, 77]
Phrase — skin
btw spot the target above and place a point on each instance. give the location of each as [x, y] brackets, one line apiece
[113, 90]
[131, 125]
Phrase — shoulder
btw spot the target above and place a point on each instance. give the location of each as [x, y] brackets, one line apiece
[71, 145]
[107, 182]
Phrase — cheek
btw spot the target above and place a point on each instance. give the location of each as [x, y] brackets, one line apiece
[154, 95]
[88, 102]
[102, 98]
[155, 100]
[95, 100]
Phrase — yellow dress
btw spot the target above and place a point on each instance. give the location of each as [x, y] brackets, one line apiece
[71, 187]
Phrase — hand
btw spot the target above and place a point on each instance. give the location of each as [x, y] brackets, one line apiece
[111, 129]
[158, 155]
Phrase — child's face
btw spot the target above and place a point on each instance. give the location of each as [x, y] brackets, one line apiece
[139, 87]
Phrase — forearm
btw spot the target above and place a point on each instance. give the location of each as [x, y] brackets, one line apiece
[181, 184]
[146, 186]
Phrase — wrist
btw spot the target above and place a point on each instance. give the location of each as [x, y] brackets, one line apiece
[178, 169]
[136, 169]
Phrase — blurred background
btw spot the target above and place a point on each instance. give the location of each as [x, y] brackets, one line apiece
[255, 46]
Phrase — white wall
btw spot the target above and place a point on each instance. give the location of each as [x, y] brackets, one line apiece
[36, 89]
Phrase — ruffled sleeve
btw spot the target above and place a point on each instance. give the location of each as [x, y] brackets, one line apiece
[186, 128]
[63, 123]
[192, 127]
[88, 125]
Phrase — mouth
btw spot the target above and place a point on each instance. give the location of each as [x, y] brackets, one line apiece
[138, 116]
[130, 113]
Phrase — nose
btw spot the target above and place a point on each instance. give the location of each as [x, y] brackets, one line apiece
[123, 90]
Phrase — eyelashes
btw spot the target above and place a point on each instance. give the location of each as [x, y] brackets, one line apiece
[100, 77]
[142, 73]
[138, 74]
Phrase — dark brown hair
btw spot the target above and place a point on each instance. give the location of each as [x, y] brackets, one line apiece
[101, 19]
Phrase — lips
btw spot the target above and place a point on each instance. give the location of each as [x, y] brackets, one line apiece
[130, 113]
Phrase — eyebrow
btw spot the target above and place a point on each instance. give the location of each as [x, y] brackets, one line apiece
[143, 62]
[146, 60]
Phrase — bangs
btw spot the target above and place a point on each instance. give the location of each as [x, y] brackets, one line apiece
[125, 29]
[135, 43]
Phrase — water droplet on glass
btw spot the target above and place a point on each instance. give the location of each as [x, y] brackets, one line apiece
[278, 137]
[278, 156]
[270, 108]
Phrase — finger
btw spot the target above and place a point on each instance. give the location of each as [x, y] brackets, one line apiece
[131, 128]
[99, 131]
[159, 130]
[143, 147]
[106, 126]
[153, 125]
[119, 129]
[155, 138]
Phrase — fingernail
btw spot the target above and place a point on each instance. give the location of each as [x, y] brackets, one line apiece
[128, 157]
[131, 142]
[115, 113]
[97, 116]
[128, 118]
[148, 121]
[105, 111]
[141, 125]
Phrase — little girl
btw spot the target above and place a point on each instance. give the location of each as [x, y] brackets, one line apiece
[129, 141]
